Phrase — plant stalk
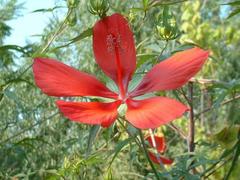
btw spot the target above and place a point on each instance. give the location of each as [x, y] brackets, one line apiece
[191, 127]
[147, 156]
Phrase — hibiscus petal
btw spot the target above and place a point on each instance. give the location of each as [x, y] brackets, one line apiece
[160, 143]
[57, 79]
[153, 112]
[173, 72]
[164, 160]
[114, 49]
[103, 114]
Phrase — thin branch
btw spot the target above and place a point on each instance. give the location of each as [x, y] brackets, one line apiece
[184, 95]
[178, 130]
[222, 104]
[134, 174]
[214, 170]
[163, 49]
[60, 29]
[28, 128]
[206, 81]
[191, 131]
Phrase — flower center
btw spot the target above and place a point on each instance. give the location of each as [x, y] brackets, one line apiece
[123, 99]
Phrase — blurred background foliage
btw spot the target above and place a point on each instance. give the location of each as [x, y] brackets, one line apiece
[36, 142]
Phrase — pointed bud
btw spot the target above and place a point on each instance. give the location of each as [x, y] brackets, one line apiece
[98, 7]
[72, 19]
[72, 3]
[166, 28]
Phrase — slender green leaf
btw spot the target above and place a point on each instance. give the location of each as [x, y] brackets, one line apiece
[13, 47]
[120, 145]
[94, 130]
[47, 10]
[233, 13]
[234, 3]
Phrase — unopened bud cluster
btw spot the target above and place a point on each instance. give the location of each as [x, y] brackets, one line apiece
[72, 18]
[98, 7]
[72, 3]
[166, 27]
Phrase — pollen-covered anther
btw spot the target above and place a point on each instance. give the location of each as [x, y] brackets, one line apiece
[113, 42]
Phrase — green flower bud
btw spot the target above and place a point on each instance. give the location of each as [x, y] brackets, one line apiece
[166, 27]
[72, 3]
[98, 7]
[72, 19]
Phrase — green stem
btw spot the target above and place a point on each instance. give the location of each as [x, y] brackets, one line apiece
[129, 133]
[60, 29]
[147, 156]
[29, 128]
[161, 53]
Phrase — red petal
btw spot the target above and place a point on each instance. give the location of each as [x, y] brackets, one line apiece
[57, 79]
[103, 114]
[164, 160]
[160, 143]
[114, 49]
[153, 112]
[173, 72]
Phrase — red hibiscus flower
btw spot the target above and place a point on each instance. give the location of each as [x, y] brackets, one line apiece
[114, 51]
[161, 148]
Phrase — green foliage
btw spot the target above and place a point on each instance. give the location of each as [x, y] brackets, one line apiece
[227, 137]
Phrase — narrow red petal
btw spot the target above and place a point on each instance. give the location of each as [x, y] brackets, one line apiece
[153, 112]
[114, 49]
[57, 79]
[173, 72]
[160, 143]
[103, 114]
[164, 160]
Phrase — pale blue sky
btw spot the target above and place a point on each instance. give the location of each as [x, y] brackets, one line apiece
[29, 24]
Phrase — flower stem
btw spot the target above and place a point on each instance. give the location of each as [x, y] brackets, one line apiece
[191, 127]
[147, 156]
[129, 133]
[155, 149]
[60, 29]
[191, 133]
